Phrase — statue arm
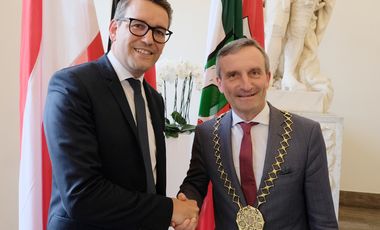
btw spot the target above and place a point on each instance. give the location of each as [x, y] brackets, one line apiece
[323, 12]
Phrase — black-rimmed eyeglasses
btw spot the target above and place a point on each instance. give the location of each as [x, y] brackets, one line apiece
[140, 28]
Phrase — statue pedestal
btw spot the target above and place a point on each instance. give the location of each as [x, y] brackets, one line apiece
[297, 101]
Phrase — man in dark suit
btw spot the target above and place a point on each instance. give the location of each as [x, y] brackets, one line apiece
[268, 168]
[104, 128]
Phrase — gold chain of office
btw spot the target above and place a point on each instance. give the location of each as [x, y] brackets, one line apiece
[249, 217]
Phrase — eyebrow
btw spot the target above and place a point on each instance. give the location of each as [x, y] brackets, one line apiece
[258, 69]
[232, 72]
[140, 20]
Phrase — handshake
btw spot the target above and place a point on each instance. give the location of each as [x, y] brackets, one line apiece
[185, 213]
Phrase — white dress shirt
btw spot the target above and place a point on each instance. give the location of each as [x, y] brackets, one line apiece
[259, 135]
[123, 75]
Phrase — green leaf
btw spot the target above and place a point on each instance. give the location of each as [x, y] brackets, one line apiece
[172, 128]
[167, 121]
[171, 134]
[179, 126]
[178, 118]
[188, 128]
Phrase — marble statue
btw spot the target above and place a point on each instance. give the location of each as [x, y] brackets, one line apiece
[293, 32]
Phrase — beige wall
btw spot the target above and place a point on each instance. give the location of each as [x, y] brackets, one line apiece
[350, 56]
[10, 16]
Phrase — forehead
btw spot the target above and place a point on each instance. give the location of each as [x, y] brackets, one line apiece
[244, 59]
[148, 11]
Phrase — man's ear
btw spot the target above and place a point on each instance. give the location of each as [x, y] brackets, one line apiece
[112, 30]
[269, 76]
[219, 83]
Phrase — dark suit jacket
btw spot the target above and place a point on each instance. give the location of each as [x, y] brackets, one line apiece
[99, 177]
[301, 197]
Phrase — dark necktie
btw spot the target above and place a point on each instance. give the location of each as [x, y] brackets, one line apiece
[140, 115]
[247, 177]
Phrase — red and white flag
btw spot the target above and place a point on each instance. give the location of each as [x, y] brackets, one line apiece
[55, 34]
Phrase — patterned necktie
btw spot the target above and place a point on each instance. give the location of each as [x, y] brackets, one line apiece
[140, 115]
[247, 177]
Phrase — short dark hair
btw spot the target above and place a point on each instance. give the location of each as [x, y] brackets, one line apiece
[237, 45]
[123, 4]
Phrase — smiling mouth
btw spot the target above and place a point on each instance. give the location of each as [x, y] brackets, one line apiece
[247, 95]
[143, 51]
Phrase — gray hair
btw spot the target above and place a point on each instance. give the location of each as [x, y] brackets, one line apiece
[235, 46]
[123, 4]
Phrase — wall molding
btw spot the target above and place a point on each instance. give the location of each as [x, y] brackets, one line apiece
[360, 199]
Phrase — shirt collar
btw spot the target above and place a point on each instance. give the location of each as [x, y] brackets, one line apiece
[261, 118]
[121, 72]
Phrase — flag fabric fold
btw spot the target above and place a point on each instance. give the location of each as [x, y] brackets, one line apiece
[228, 21]
[55, 34]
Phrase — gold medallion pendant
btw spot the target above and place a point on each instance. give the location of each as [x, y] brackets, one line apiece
[250, 218]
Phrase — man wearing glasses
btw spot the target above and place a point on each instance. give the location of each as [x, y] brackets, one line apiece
[104, 128]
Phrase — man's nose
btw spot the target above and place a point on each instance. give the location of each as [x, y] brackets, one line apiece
[148, 37]
[246, 82]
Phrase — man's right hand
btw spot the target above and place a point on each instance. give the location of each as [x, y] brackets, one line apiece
[184, 210]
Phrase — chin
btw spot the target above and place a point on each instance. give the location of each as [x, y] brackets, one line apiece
[146, 64]
[141, 66]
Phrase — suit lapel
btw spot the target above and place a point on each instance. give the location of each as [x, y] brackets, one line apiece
[117, 91]
[226, 154]
[274, 137]
[158, 126]
[153, 110]
[156, 118]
